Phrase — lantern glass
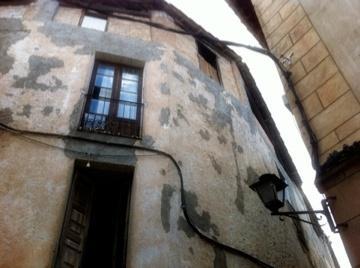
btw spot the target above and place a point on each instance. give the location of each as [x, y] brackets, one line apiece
[269, 188]
[267, 192]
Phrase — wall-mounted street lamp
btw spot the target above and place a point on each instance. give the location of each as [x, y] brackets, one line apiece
[271, 191]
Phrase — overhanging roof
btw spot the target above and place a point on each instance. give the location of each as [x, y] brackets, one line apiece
[246, 12]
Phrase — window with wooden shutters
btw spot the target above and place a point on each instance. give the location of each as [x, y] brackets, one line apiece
[113, 104]
[208, 62]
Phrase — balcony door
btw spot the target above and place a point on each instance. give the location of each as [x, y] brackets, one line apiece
[114, 100]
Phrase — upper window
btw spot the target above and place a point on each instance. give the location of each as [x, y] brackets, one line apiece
[114, 101]
[208, 62]
[94, 22]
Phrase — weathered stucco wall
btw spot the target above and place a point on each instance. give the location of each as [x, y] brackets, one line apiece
[324, 56]
[209, 129]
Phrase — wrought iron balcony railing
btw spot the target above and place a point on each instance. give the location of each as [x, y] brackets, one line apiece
[112, 116]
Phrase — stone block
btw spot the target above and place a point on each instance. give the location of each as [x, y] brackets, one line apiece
[288, 8]
[262, 5]
[282, 46]
[303, 45]
[335, 115]
[272, 24]
[300, 29]
[316, 78]
[297, 72]
[312, 105]
[286, 26]
[129, 28]
[348, 127]
[327, 142]
[332, 89]
[163, 36]
[272, 9]
[314, 56]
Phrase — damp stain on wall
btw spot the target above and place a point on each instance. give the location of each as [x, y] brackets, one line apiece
[166, 195]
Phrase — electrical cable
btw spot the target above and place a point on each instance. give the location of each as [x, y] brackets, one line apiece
[203, 236]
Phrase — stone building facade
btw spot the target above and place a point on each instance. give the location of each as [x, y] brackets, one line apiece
[99, 126]
[318, 41]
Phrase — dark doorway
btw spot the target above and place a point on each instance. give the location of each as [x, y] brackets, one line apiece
[95, 228]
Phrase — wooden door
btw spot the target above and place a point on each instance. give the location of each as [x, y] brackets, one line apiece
[76, 224]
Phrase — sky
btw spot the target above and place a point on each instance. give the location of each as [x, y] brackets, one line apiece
[219, 19]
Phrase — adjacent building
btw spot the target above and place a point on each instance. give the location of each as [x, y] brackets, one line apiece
[318, 42]
[129, 137]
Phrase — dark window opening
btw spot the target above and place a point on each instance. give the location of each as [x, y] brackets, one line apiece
[208, 62]
[113, 104]
[95, 228]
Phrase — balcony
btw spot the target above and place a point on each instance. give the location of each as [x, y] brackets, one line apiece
[112, 116]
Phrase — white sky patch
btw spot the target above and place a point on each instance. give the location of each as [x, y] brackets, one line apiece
[219, 19]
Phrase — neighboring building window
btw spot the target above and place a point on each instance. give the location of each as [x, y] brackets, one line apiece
[208, 62]
[95, 22]
[114, 101]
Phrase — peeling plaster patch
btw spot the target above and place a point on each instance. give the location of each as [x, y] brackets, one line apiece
[215, 164]
[163, 172]
[201, 101]
[148, 141]
[203, 220]
[180, 115]
[26, 111]
[40, 66]
[11, 31]
[90, 41]
[166, 194]
[252, 175]
[6, 116]
[47, 110]
[237, 147]
[225, 103]
[165, 89]
[185, 227]
[163, 67]
[246, 113]
[204, 134]
[46, 11]
[164, 116]
[178, 77]
[192, 82]
[75, 114]
[176, 123]
[220, 258]
[222, 139]
[239, 201]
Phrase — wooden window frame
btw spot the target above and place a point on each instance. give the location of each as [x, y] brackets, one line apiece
[202, 58]
[115, 99]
